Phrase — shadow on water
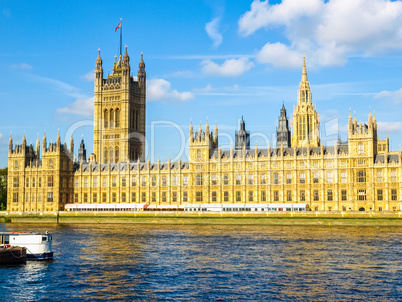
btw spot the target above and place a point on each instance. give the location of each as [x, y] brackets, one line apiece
[129, 262]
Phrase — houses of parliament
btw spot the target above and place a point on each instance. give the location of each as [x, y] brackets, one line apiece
[361, 174]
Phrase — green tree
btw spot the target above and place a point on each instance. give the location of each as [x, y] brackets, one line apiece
[3, 188]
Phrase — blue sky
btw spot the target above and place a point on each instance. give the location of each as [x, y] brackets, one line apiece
[217, 60]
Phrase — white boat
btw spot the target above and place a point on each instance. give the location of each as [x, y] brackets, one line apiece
[38, 245]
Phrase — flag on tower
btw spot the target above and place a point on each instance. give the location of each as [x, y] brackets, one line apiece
[118, 26]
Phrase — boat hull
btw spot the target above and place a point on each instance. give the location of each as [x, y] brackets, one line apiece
[13, 255]
[38, 257]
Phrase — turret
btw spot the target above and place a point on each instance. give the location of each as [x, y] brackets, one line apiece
[82, 152]
[283, 132]
[141, 72]
[191, 132]
[216, 135]
[58, 141]
[44, 143]
[72, 144]
[10, 144]
[37, 147]
[98, 71]
[242, 137]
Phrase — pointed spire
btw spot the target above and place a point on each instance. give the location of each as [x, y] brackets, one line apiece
[126, 57]
[115, 64]
[207, 127]
[200, 129]
[142, 63]
[191, 129]
[304, 74]
[58, 141]
[350, 114]
[99, 60]
[10, 143]
[370, 117]
[72, 144]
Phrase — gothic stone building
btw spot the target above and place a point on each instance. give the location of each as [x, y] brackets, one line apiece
[360, 174]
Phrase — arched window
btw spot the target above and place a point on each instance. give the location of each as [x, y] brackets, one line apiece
[50, 164]
[116, 155]
[105, 118]
[137, 119]
[111, 118]
[16, 164]
[111, 154]
[199, 155]
[117, 118]
[105, 156]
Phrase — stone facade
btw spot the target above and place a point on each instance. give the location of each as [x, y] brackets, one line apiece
[360, 174]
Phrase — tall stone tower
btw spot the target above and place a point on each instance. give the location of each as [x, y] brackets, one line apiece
[283, 132]
[305, 124]
[120, 102]
[242, 137]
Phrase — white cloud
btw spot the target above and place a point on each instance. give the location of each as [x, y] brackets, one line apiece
[278, 55]
[183, 74]
[389, 126]
[229, 68]
[80, 107]
[329, 31]
[88, 77]
[212, 29]
[22, 66]
[160, 89]
[395, 96]
[1, 135]
[60, 86]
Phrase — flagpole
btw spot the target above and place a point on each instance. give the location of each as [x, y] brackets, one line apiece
[121, 29]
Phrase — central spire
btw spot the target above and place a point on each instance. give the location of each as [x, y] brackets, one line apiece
[304, 74]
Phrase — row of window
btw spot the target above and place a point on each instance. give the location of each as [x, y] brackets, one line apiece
[111, 118]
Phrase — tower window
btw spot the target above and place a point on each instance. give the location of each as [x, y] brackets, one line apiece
[111, 118]
[105, 118]
[117, 118]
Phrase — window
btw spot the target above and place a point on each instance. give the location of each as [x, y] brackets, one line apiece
[33, 197]
[393, 175]
[50, 181]
[117, 118]
[251, 179]
[144, 181]
[113, 197]
[27, 182]
[174, 196]
[379, 195]
[133, 197]
[199, 155]
[185, 196]
[263, 196]
[153, 181]
[40, 197]
[164, 197]
[225, 196]
[86, 182]
[394, 194]
[361, 194]
[344, 176]
[123, 197]
[379, 176]
[329, 178]
[214, 182]
[213, 196]
[185, 180]
[238, 179]
[198, 180]
[94, 198]
[164, 182]
[174, 181]
[276, 195]
[27, 197]
[123, 182]
[105, 118]
[33, 182]
[16, 182]
[16, 164]
[316, 196]
[76, 182]
[50, 197]
[263, 179]
[114, 181]
[330, 196]
[104, 198]
[133, 181]
[302, 195]
[225, 179]
[198, 196]
[360, 149]
[303, 178]
[276, 178]
[15, 197]
[289, 195]
[315, 177]
[361, 176]
[95, 182]
[104, 182]
[289, 178]
[250, 195]
[344, 195]
[76, 198]
[85, 197]
[238, 196]
[50, 164]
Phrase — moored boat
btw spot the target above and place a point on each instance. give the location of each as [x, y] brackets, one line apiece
[12, 254]
[38, 245]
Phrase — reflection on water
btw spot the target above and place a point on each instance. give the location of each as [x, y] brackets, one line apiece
[137, 262]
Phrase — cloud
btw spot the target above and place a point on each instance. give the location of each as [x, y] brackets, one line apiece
[328, 31]
[395, 96]
[183, 74]
[389, 126]
[279, 55]
[1, 135]
[212, 29]
[60, 86]
[79, 107]
[88, 77]
[229, 68]
[22, 66]
[160, 89]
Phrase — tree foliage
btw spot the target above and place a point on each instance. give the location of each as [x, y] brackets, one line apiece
[3, 188]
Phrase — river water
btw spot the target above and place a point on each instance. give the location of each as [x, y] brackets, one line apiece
[129, 262]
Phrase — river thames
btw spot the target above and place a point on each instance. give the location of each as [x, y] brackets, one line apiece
[200, 263]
